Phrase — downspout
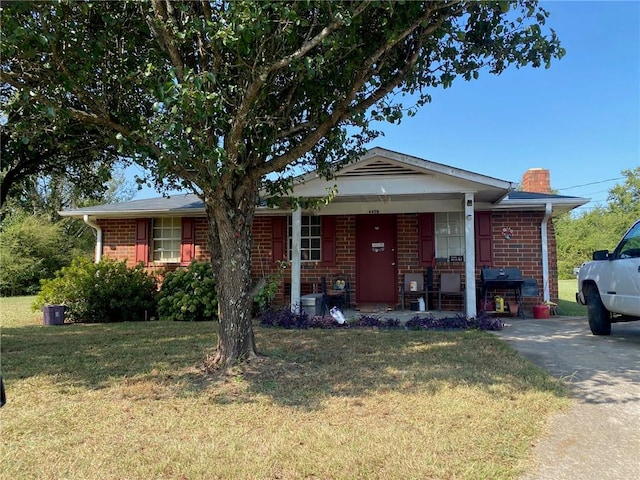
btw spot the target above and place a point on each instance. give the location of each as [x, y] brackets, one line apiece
[98, 230]
[545, 253]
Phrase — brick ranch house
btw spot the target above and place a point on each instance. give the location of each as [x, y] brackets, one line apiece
[393, 214]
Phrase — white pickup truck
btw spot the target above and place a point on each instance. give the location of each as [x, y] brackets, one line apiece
[610, 284]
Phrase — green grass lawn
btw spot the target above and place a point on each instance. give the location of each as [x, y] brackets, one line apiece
[130, 401]
[567, 299]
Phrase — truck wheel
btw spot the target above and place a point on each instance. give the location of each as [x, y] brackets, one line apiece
[599, 317]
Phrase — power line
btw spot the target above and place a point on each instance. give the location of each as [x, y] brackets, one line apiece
[587, 194]
[592, 183]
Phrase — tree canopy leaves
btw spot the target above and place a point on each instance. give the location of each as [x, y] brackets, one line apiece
[214, 96]
[37, 144]
[221, 89]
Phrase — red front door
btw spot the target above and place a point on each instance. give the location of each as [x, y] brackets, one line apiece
[376, 275]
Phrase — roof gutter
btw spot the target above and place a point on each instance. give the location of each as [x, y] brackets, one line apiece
[545, 252]
[504, 194]
[98, 230]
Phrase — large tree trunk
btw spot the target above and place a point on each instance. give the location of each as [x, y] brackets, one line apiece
[230, 241]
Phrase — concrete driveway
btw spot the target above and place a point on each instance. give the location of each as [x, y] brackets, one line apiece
[599, 437]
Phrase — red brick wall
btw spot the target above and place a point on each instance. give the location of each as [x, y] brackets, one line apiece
[407, 246]
[202, 244]
[119, 239]
[522, 250]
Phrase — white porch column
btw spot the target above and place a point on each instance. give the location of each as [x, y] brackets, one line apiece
[470, 255]
[296, 228]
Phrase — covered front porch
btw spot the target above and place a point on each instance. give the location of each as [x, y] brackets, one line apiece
[392, 215]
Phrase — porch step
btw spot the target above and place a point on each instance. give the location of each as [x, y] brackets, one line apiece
[373, 308]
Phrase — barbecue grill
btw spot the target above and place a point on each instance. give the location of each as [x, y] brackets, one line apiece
[502, 279]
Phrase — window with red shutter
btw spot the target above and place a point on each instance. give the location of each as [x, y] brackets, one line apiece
[167, 235]
[310, 237]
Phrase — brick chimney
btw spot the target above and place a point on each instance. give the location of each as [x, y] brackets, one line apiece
[536, 180]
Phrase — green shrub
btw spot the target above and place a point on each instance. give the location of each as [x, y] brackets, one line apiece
[102, 292]
[189, 294]
[32, 248]
[268, 292]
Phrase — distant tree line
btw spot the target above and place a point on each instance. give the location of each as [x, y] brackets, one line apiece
[35, 241]
[600, 228]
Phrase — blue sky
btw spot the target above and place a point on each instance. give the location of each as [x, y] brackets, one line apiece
[580, 119]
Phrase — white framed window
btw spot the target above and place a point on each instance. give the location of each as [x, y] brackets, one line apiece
[449, 234]
[310, 238]
[167, 233]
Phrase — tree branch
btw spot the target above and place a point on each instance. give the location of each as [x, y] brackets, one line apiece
[242, 115]
[164, 13]
[345, 108]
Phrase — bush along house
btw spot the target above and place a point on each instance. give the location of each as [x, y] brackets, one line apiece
[393, 215]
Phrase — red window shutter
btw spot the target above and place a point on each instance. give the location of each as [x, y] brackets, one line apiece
[484, 239]
[426, 238]
[329, 240]
[142, 240]
[278, 238]
[188, 241]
